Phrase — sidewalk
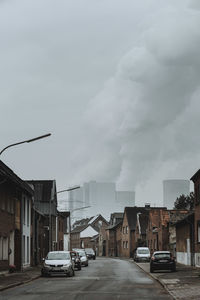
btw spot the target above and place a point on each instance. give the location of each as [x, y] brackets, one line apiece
[11, 280]
[183, 284]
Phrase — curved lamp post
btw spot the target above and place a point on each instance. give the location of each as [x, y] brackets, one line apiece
[26, 141]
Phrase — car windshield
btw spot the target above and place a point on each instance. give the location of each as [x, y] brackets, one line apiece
[162, 255]
[89, 251]
[81, 253]
[143, 251]
[58, 256]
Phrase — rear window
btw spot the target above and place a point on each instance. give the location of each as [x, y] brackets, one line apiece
[89, 251]
[81, 253]
[143, 251]
[162, 255]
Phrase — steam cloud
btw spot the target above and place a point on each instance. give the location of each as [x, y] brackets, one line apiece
[147, 115]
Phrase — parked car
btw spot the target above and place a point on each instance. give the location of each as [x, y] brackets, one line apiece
[142, 254]
[90, 253]
[162, 260]
[76, 259]
[83, 256]
[58, 262]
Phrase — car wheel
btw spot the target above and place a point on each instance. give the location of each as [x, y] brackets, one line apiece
[151, 269]
[71, 273]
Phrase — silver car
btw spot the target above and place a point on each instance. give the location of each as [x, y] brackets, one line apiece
[58, 262]
[83, 256]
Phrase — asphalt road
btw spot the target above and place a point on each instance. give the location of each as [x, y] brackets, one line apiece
[105, 279]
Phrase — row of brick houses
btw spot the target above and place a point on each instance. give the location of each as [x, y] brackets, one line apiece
[90, 233]
[30, 224]
[143, 226]
[159, 229]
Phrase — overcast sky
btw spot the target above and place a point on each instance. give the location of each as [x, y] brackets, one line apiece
[116, 82]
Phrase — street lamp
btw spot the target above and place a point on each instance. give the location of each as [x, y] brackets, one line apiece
[50, 221]
[26, 141]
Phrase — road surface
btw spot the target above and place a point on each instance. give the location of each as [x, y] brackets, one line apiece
[104, 279]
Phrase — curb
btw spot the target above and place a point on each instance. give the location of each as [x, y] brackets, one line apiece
[12, 285]
[158, 280]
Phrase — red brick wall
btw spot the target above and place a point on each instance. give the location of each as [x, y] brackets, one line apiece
[75, 240]
[119, 240]
[182, 234]
[126, 238]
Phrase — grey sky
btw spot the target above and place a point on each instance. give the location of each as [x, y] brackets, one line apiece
[116, 83]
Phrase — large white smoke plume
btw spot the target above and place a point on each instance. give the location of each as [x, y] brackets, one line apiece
[147, 115]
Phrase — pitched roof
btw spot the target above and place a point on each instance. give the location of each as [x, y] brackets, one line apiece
[190, 215]
[84, 223]
[78, 229]
[117, 215]
[131, 213]
[42, 189]
[143, 218]
[8, 174]
[195, 176]
[113, 227]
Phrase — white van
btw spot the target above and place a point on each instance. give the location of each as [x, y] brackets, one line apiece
[142, 254]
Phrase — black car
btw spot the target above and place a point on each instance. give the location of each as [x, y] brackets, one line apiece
[90, 253]
[76, 259]
[162, 260]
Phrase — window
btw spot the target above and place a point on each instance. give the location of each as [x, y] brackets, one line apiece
[126, 229]
[3, 203]
[1, 247]
[27, 249]
[197, 194]
[12, 205]
[123, 230]
[28, 210]
[126, 245]
[24, 210]
[23, 249]
[198, 231]
[8, 204]
[5, 248]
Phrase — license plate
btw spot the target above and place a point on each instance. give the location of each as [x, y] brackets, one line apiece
[56, 269]
[163, 261]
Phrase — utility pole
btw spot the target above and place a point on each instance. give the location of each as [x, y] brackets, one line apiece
[50, 215]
